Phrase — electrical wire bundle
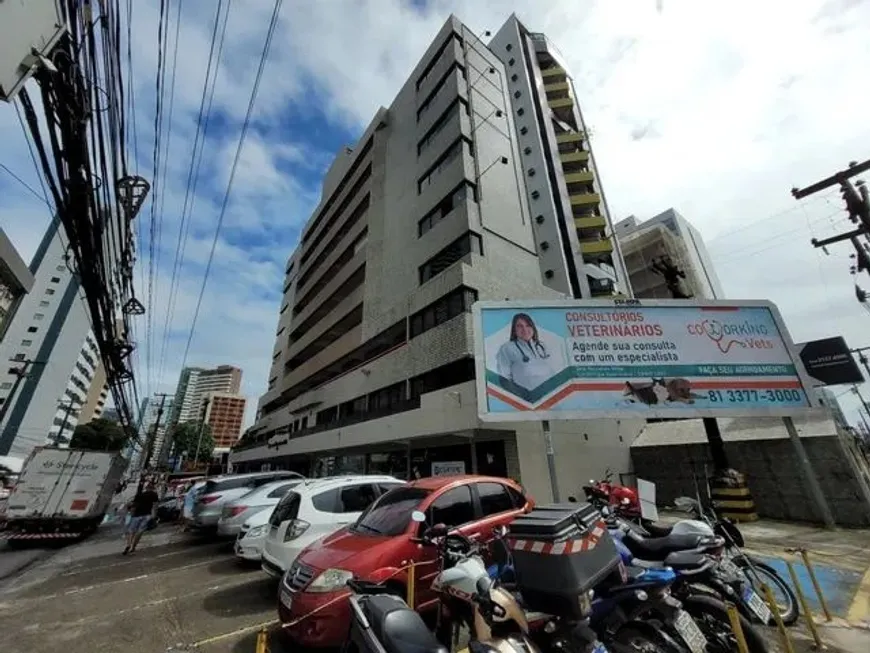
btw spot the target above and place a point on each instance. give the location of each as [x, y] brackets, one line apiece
[83, 159]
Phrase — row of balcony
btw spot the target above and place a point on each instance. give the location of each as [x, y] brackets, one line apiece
[595, 246]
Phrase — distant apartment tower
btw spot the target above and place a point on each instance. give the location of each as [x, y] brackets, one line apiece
[16, 280]
[669, 235]
[436, 206]
[46, 342]
[148, 416]
[84, 396]
[570, 219]
[95, 402]
[225, 414]
[195, 383]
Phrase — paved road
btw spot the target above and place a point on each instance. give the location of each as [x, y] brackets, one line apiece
[14, 561]
[174, 595]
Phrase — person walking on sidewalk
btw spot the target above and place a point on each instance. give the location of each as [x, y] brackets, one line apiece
[143, 508]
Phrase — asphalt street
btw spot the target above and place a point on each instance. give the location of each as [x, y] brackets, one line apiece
[14, 561]
[183, 595]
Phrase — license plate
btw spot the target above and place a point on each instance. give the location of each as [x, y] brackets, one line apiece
[757, 605]
[689, 631]
[286, 599]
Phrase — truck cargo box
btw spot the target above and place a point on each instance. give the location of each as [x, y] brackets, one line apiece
[560, 551]
[65, 485]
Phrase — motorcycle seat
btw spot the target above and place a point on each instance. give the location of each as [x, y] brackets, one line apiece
[399, 628]
[684, 560]
[657, 528]
[659, 548]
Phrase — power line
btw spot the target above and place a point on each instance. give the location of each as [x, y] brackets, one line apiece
[245, 125]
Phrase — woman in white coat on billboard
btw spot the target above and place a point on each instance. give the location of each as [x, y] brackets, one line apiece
[524, 359]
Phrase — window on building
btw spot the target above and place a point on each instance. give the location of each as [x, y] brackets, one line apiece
[445, 206]
[44, 303]
[444, 161]
[31, 329]
[55, 279]
[26, 343]
[38, 316]
[49, 291]
[454, 303]
[61, 268]
[455, 251]
[18, 357]
[444, 120]
[5, 386]
[454, 373]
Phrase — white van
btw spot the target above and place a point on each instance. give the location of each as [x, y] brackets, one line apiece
[314, 509]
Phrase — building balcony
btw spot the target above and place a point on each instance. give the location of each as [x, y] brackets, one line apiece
[580, 177]
[561, 104]
[553, 73]
[574, 161]
[557, 90]
[591, 222]
[585, 199]
[596, 247]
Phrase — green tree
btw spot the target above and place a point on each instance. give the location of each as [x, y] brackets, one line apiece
[99, 434]
[185, 439]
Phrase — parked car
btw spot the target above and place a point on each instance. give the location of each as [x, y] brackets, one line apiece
[218, 490]
[236, 511]
[382, 544]
[168, 510]
[252, 536]
[315, 509]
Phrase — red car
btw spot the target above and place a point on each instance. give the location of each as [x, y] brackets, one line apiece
[383, 543]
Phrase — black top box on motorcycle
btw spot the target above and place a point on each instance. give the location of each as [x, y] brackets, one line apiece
[560, 551]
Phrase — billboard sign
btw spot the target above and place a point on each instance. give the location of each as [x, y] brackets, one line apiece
[829, 362]
[587, 359]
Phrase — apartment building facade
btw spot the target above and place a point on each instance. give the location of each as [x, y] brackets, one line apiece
[41, 350]
[84, 396]
[578, 254]
[225, 414]
[372, 367]
[194, 385]
[667, 235]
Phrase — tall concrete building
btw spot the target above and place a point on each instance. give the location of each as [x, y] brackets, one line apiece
[98, 394]
[16, 280]
[441, 202]
[85, 394]
[194, 385]
[46, 340]
[669, 235]
[148, 416]
[570, 218]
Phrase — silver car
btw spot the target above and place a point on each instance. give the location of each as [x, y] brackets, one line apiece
[237, 511]
[219, 490]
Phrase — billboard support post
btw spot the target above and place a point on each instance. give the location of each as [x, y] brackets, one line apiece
[551, 460]
[809, 474]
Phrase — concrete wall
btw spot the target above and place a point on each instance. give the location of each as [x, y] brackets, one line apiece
[773, 473]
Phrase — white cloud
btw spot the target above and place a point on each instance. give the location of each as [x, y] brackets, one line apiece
[709, 107]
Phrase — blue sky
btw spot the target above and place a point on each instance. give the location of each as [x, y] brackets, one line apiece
[705, 107]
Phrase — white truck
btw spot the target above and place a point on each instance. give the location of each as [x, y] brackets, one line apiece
[62, 493]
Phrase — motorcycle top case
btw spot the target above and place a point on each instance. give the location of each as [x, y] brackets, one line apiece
[559, 552]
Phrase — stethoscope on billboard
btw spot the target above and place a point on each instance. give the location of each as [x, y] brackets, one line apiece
[538, 350]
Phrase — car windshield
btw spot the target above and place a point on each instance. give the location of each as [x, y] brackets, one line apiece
[391, 514]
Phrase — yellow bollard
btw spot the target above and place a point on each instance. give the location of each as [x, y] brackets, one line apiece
[737, 629]
[816, 586]
[784, 639]
[412, 578]
[262, 641]
[805, 608]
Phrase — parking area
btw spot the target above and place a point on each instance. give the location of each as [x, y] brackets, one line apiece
[181, 595]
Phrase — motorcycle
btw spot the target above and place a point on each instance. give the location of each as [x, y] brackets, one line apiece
[700, 583]
[606, 492]
[734, 560]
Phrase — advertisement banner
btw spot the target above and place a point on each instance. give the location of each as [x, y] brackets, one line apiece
[829, 362]
[586, 359]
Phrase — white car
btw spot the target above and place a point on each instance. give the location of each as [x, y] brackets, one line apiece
[314, 509]
[252, 537]
[236, 512]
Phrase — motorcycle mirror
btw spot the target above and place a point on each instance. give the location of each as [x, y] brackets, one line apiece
[438, 530]
[418, 517]
[572, 499]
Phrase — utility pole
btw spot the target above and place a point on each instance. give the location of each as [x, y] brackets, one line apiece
[863, 359]
[68, 408]
[205, 404]
[20, 374]
[858, 206]
[149, 445]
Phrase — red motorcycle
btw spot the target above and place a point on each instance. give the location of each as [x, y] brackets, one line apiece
[614, 494]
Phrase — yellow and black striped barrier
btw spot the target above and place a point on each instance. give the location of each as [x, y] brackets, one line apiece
[732, 498]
